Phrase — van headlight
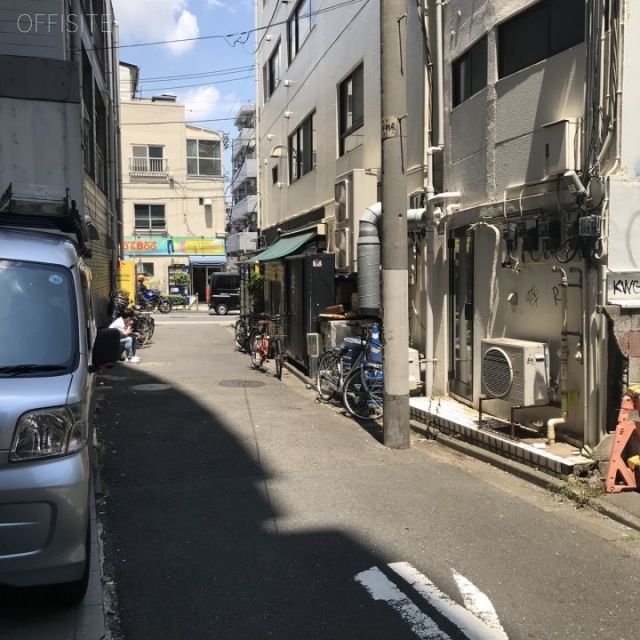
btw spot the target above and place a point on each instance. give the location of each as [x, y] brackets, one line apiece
[47, 433]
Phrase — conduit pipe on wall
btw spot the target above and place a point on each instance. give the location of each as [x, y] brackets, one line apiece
[584, 342]
[564, 360]
[432, 200]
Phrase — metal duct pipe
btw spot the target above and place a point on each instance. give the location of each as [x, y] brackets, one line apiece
[369, 278]
[369, 275]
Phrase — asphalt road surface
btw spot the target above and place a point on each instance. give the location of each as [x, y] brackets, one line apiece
[236, 507]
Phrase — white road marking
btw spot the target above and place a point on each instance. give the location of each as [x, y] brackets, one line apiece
[480, 605]
[474, 627]
[381, 588]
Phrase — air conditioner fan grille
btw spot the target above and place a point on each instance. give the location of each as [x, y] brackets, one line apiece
[497, 373]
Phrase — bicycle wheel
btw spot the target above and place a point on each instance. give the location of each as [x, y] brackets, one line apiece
[256, 351]
[242, 336]
[143, 330]
[328, 377]
[374, 383]
[362, 394]
[277, 356]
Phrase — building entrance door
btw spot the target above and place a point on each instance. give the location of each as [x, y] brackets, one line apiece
[461, 312]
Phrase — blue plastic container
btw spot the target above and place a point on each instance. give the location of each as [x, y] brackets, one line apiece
[353, 347]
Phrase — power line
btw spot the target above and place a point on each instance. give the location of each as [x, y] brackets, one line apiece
[239, 36]
[201, 84]
[198, 75]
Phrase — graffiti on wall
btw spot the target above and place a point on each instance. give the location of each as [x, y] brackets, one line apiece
[623, 287]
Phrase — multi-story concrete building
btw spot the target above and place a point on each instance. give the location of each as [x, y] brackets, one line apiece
[520, 145]
[243, 216]
[173, 190]
[59, 114]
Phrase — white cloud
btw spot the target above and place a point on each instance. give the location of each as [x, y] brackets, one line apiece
[202, 103]
[215, 3]
[155, 21]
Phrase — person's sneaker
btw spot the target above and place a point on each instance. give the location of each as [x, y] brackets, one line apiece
[133, 359]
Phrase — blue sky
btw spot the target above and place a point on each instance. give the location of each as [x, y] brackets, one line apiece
[205, 60]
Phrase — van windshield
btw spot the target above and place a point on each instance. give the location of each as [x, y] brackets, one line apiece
[38, 327]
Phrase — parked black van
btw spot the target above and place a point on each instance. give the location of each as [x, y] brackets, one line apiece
[224, 292]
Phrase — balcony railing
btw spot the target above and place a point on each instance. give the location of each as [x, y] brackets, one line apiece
[241, 210]
[149, 167]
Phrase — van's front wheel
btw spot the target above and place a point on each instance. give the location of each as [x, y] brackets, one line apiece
[222, 309]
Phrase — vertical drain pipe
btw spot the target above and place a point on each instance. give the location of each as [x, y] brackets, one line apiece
[369, 276]
[564, 361]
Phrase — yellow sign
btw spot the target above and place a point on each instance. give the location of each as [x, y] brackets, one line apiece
[126, 278]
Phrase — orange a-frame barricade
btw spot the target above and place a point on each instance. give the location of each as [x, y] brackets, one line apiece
[619, 476]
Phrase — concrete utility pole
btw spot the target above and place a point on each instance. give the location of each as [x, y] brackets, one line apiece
[395, 279]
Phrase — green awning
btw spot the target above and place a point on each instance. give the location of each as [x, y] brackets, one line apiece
[284, 247]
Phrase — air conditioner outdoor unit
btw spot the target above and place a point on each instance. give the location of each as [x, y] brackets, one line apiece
[516, 371]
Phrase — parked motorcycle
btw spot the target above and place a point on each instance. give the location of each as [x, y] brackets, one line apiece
[152, 299]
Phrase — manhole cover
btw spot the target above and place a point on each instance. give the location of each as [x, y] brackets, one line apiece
[241, 383]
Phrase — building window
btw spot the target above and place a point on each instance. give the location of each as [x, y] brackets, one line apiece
[204, 158]
[145, 268]
[470, 72]
[542, 31]
[147, 159]
[302, 153]
[272, 72]
[298, 27]
[351, 111]
[149, 219]
[274, 175]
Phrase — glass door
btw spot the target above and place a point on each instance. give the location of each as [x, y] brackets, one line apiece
[461, 311]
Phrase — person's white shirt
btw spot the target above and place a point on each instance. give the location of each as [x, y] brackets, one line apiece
[119, 324]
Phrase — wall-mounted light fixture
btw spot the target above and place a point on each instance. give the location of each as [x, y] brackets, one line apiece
[268, 38]
[287, 83]
[270, 136]
[287, 114]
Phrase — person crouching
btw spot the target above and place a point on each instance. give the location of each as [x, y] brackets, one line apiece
[124, 324]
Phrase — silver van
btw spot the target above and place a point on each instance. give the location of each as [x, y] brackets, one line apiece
[50, 349]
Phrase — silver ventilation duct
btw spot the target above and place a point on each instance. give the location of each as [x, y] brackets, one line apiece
[369, 277]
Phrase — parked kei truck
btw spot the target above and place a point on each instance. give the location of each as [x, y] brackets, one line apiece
[50, 349]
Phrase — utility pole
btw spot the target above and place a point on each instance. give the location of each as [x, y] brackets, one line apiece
[395, 277]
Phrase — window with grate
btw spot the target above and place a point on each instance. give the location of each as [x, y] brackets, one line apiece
[302, 154]
[204, 158]
[298, 28]
[542, 31]
[149, 219]
[469, 72]
[351, 111]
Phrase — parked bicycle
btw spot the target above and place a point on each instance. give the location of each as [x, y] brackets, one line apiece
[266, 343]
[354, 373]
[245, 326]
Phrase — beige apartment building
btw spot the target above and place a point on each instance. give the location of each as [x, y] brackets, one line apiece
[173, 191]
